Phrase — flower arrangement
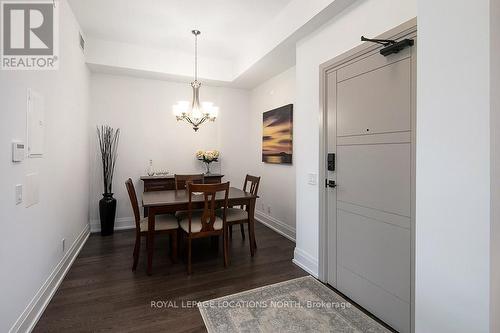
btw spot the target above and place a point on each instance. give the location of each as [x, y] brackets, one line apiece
[207, 157]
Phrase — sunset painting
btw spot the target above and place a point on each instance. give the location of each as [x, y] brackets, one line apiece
[277, 136]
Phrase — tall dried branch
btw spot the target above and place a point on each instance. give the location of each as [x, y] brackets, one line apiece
[108, 145]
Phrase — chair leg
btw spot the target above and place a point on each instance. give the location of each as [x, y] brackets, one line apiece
[242, 231]
[137, 249]
[173, 244]
[180, 243]
[252, 242]
[189, 256]
[230, 227]
[225, 243]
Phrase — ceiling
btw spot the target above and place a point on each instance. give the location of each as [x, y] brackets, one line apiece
[167, 24]
[243, 42]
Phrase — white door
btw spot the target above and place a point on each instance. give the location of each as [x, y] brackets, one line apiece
[370, 212]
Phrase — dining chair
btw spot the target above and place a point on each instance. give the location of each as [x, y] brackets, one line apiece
[164, 224]
[181, 182]
[240, 215]
[205, 222]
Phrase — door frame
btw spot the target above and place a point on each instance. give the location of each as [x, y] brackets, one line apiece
[404, 29]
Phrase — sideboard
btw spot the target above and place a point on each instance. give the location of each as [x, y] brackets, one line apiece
[163, 183]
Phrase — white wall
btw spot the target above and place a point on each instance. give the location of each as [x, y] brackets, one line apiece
[142, 109]
[453, 168]
[277, 188]
[364, 17]
[31, 245]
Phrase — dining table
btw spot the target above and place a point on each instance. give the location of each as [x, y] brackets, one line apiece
[171, 201]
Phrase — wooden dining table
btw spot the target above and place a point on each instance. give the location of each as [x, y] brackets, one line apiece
[164, 202]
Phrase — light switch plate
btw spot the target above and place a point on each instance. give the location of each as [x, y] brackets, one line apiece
[312, 178]
[19, 194]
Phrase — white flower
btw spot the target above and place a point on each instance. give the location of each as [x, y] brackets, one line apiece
[207, 156]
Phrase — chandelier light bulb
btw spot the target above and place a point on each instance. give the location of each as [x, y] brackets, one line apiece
[214, 113]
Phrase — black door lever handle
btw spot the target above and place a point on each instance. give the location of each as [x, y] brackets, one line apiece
[330, 183]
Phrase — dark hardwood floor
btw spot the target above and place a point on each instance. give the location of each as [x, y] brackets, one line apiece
[101, 293]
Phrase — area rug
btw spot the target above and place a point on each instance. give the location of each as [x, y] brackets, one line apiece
[298, 305]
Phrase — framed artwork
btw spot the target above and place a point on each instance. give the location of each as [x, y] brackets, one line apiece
[277, 135]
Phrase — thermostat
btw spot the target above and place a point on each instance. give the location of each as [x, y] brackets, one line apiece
[17, 151]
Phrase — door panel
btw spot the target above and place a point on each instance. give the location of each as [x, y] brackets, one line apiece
[394, 219]
[375, 176]
[375, 102]
[369, 63]
[376, 251]
[390, 309]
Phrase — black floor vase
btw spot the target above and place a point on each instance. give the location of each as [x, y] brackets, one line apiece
[107, 212]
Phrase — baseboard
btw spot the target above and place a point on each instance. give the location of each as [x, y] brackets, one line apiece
[305, 261]
[277, 225]
[121, 223]
[280, 227]
[30, 316]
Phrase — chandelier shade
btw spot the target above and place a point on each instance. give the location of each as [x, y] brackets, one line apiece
[195, 113]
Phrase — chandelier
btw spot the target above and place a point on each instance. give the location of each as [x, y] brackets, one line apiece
[195, 113]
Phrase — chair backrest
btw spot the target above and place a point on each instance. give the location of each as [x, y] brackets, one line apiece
[133, 200]
[181, 181]
[254, 184]
[210, 204]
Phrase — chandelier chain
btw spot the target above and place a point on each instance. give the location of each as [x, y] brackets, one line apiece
[196, 57]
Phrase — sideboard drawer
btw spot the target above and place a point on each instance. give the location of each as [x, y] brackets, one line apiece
[160, 185]
[165, 183]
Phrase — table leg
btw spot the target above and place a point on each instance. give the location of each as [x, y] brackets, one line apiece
[150, 239]
[251, 222]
